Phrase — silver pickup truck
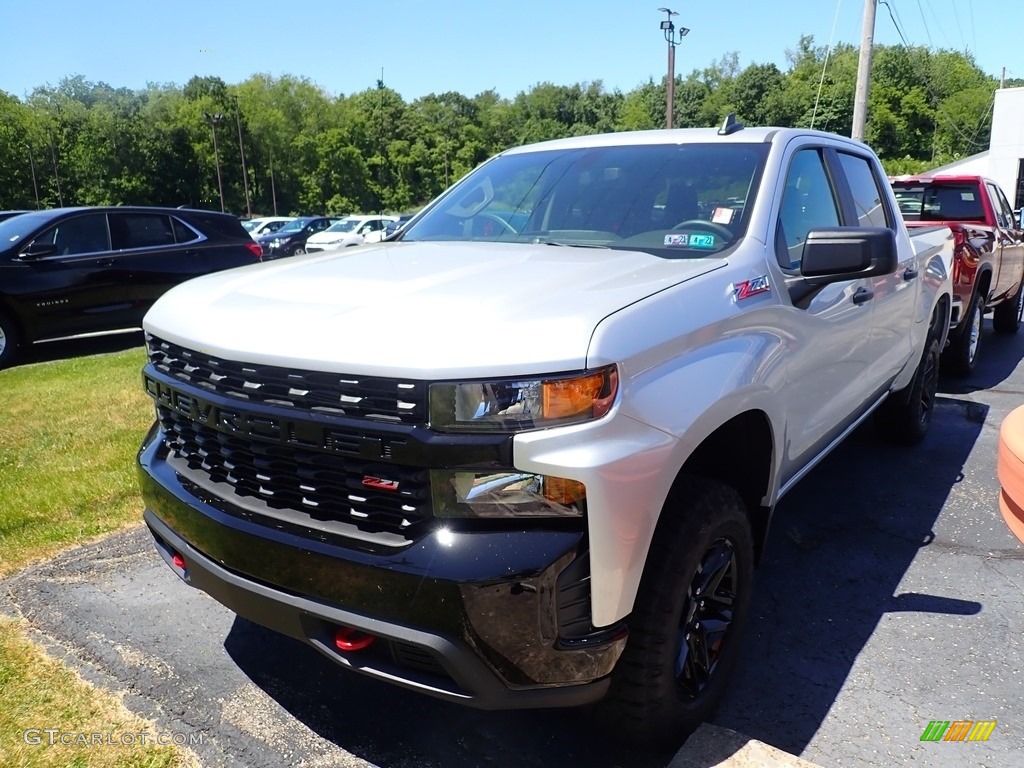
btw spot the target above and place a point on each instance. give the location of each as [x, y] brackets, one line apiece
[525, 452]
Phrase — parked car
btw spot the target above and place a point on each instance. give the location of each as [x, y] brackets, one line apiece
[266, 225]
[988, 267]
[9, 214]
[74, 271]
[533, 468]
[290, 240]
[352, 230]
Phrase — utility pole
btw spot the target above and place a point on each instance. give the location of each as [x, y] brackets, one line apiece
[241, 149]
[860, 99]
[668, 28]
[56, 176]
[273, 192]
[215, 120]
[1002, 79]
[32, 165]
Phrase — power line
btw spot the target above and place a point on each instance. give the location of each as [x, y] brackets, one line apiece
[927, 81]
[824, 65]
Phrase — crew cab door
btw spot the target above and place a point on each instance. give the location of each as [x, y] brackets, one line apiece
[76, 284]
[896, 295]
[833, 346]
[154, 251]
[1009, 243]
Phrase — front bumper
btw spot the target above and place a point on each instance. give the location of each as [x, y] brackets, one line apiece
[465, 616]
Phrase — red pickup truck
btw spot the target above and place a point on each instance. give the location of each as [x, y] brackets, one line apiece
[988, 266]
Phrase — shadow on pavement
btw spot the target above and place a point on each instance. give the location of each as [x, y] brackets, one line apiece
[998, 356]
[840, 544]
[385, 724]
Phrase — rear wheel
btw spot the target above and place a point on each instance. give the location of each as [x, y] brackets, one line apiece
[690, 610]
[906, 415]
[8, 341]
[962, 354]
[1006, 317]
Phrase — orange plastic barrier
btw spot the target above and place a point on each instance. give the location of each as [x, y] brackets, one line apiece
[1010, 469]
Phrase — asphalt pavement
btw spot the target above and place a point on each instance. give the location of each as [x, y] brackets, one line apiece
[890, 595]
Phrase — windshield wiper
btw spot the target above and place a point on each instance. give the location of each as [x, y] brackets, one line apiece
[542, 241]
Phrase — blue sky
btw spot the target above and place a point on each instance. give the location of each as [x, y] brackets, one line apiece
[469, 47]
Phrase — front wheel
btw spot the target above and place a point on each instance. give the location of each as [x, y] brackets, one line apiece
[298, 250]
[690, 610]
[8, 341]
[1006, 316]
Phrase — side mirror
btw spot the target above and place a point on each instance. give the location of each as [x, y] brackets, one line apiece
[838, 254]
[38, 251]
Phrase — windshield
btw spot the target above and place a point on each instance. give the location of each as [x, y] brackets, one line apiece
[249, 226]
[688, 200]
[14, 229]
[294, 226]
[345, 225]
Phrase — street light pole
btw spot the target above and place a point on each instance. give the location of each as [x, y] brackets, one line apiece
[668, 28]
[241, 149]
[215, 120]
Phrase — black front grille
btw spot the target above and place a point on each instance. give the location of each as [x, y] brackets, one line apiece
[393, 400]
[326, 491]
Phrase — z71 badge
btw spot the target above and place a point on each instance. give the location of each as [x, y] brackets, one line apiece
[749, 288]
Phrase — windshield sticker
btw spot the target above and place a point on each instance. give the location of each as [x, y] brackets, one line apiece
[967, 196]
[677, 241]
[749, 288]
[722, 215]
[702, 241]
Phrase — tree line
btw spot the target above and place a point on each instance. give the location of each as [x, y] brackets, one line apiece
[305, 151]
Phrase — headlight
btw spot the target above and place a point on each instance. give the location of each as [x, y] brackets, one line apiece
[504, 493]
[516, 405]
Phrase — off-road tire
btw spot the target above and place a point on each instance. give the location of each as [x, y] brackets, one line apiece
[1006, 316]
[907, 414]
[9, 341]
[647, 703]
[965, 345]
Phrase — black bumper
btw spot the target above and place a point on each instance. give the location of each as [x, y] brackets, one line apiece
[469, 617]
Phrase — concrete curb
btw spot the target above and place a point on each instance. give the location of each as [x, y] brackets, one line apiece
[714, 747]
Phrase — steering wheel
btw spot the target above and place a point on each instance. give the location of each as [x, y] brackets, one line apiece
[497, 218]
[709, 226]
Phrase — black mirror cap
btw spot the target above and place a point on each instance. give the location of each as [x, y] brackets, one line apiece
[38, 251]
[848, 253]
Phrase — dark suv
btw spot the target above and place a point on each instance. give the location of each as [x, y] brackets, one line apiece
[76, 271]
[290, 240]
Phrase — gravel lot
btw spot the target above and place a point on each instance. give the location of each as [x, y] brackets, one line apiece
[890, 595]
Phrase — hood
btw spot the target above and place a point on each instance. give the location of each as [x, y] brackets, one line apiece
[424, 310]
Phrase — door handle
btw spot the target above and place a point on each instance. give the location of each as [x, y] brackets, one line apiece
[862, 295]
[909, 273]
[105, 262]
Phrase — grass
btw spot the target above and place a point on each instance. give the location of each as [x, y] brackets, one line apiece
[69, 431]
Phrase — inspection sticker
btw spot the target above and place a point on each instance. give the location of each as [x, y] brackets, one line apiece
[722, 215]
[677, 241]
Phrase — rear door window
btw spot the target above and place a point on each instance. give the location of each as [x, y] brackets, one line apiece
[867, 195]
[140, 230]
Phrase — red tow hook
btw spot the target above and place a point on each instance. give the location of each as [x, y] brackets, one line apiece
[178, 560]
[349, 639]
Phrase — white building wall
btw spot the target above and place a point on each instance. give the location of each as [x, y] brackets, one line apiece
[1006, 148]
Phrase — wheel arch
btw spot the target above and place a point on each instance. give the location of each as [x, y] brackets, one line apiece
[740, 453]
